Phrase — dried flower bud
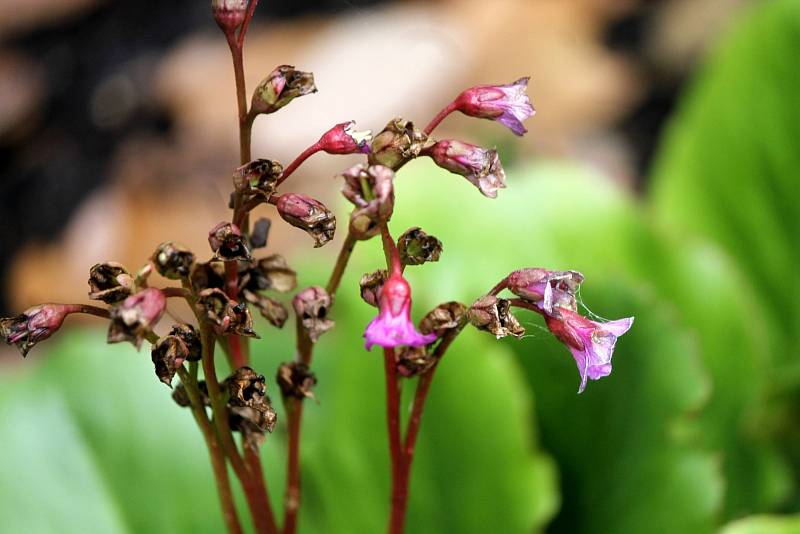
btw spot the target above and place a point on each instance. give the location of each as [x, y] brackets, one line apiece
[250, 408]
[173, 261]
[444, 317]
[307, 214]
[397, 144]
[228, 243]
[272, 310]
[370, 189]
[225, 315]
[478, 165]
[270, 273]
[280, 87]
[416, 247]
[507, 104]
[109, 282]
[258, 178]
[548, 288]
[133, 318]
[208, 275]
[296, 380]
[229, 14]
[181, 396]
[344, 139]
[258, 237]
[492, 314]
[168, 356]
[414, 361]
[191, 339]
[311, 306]
[33, 325]
[371, 286]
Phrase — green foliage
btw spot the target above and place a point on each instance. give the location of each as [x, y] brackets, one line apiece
[764, 525]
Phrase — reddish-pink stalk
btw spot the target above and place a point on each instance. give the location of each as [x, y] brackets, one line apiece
[304, 155]
[399, 497]
[451, 107]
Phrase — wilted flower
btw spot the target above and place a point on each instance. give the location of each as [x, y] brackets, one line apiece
[250, 408]
[371, 285]
[132, 319]
[191, 339]
[272, 310]
[109, 282]
[33, 325]
[168, 356]
[257, 178]
[280, 87]
[443, 318]
[548, 288]
[416, 247]
[311, 306]
[507, 104]
[414, 361]
[228, 243]
[258, 236]
[370, 189]
[270, 273]
[591, 343]
[229, 14]
[210, 274]
[478, 165]
[344, 139]
[296, 380]
[307, 214]
[225, 315]
[173, 261]
[493, 314]
[393, 327]
[398, 143]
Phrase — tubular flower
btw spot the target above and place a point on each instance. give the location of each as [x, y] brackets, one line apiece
[591, 343]
[478, 165]
[549, 289]
[507, 104]
[392, 327]
[344, 139]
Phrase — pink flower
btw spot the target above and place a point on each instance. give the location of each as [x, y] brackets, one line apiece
[392, 327]
[507, 104]
[478, 165]
[344, 139]
[591, 343]
[33, 325]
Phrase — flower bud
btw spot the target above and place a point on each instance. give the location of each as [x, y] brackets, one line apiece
[109, 282]
[548, 288]
[258, 178]
[283, 85]
[397, 144]
[443, 318]
[307, 214]
[229, 14]
[188, 334]
[344, 139]
[478, 165]
[272, 310]
[258, 237]
[172, 260]
[225, 315]
[416, 247]
[311, 306]
[251, 411]
[371, 286]
[492, 314]
[134, 317]
[507, 104]
[168, 356]
[33, 325]
[370, 189]
[296, 380]
[270, 273]
[228, 243]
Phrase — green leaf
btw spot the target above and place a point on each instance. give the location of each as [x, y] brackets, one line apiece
[764, 525]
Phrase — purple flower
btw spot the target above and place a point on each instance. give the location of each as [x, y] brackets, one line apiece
[591, 343]
[344, 139]
[392, 327]
[507, 104]
[478, 165]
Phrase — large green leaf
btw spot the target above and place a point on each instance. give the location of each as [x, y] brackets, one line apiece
[764, 525]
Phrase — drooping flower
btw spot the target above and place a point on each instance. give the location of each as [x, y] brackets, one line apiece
[33, 325]
[546, 288]
[478, 165]
[228, 243]
[134, 317]
[371, 191]
[344, 139]
[312, 305]
[507, 104]
[393, 327]
[110, 282]
[308, 214]
[280, 87]
[591, 343]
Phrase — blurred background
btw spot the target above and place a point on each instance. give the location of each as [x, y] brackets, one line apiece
[662, 163]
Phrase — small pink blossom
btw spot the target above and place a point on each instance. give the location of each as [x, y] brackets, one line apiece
[344, 139]
[393, 327]
[507, 104]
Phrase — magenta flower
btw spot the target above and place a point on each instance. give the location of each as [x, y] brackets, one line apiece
[393, 327]
[478, 165]
[507, 104]
[549, 289]
[591, 343]
[344, 139]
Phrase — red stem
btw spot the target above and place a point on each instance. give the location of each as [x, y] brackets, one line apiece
[251, 7]
[310, 151]
[399, 481]
[294, 409]
[451, 107]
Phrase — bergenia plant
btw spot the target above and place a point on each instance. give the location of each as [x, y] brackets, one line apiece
[234, 413]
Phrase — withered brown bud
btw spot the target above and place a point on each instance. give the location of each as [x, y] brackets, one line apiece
[207, 275]
[258, 178]
[228, 243]
[414, 361]
[296, 380]
[280, 87]
[448, 316]
[312, 306]
[250, 408]
[181, 396]
[492, 314]
[309, 215]
[371, 190]
[416, 247]
[225, 315]
[134, 317]
[272, 310]
[397, 144]
[168, 356]
[270, 273]
[109, 282]
[173, 261]
[258, 237]
[229, 14]
[188, 334]
[371, 286]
